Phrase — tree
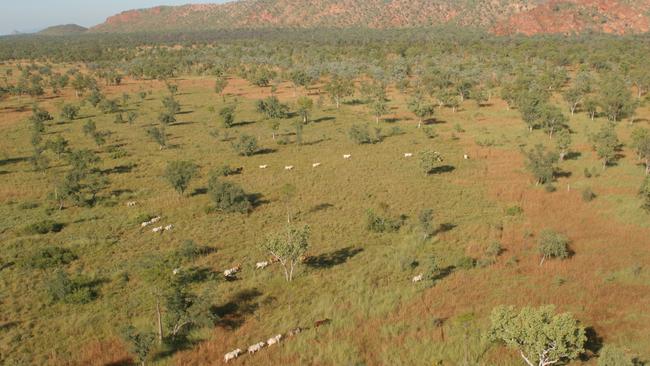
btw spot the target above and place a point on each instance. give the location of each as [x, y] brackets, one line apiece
[590, 106]
[246, 145]
[541, 164]
[185, 310]
[479, 95]
[541, 337]
[69, 112]
[641, 145]
[58, 145]
[227, 196]
[179, 174]
[288, 247]
[339, 88]
[552, 245]
[420, 108]
[287, 193]
[552, 119]
[299, 78]
[305, 105]
[171, 105]
[108, 106]
[379, 107]
[220, 85]
[573, 98]
[644, 193]
[159, 135]
[614, 356]
[616, 99]
[166, 118]
[141, 343]
[429, 161]
[272, 108]
[275, 126]
[606, 144]
[95, 98]
[227, 115]
[425, 219]
[131, 116]
[531, 108]
[563, 142]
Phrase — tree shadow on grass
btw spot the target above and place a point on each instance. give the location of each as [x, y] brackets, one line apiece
[256, 199]
[199, 192]
[335, 258]
[120, 169]
[445, 227]
[243, 123]
[265, 151]
[442, 169]
[233, 314]
[593, 344]
[321, 207]
[13, 160]
[573, 155]
[323, 119]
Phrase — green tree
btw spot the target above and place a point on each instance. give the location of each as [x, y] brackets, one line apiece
[131, 116]
[140, 343]
[552, 119]
[429, 161]
[644, 193]
[563, 142]
[159, 135]
[246, 145]
[552, 245]
[616, 99]
[69, 112]
[339, 88]
[421, 109]
[641, 145]
[227, 115]
[541, 337]
[58, 145]
[272, 108]
[220, 85]
[288, 246]
[541, 164]
[425, 220]
[573, 97]
[305, 105]
[227, 196]
[379, 107]
[606, 144]
[179, 174]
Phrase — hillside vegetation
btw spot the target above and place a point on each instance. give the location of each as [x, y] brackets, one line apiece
[499, 17]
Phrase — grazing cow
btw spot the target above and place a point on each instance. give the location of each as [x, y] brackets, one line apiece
[263, 166]
[316, 165]
[230, 273]
[154, 220]
[288, 167]
[320, 323]
[261, 265]
[466, 157]
[408, 155]
[144, 224]
[169, 227]
[347, 156]
[294, 332]
[158, 229]
[131, 204]
[232, 355]
[176, 271]
[418, 278]
[274, 340]
[256, 347]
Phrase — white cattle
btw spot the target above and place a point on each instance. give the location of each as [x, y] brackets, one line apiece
[294, 332]
[157, 229]
[176, 271]
[256, 347]
[154, 220]
[466, 157]
[347, 156]
[169, 227]
[261, 265]
[289, 167]
[231, 272]
[263, 166]
[418, 278]
[274, 340]
[408, 155]
[144, 224]
[131, 204]
[316, 165]
[232, 355]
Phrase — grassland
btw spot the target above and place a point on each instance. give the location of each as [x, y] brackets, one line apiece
[360, 280]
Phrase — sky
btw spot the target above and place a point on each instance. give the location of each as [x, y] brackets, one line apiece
[34, 15]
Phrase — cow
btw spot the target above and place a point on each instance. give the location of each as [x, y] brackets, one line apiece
[274, 340]
[418, 278]
[232, 355]
[347, 156]
[256, 347]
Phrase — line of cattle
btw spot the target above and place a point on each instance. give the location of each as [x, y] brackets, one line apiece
[346, 157]
[254, 348]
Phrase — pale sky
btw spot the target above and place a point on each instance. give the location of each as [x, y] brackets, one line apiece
[34, 15]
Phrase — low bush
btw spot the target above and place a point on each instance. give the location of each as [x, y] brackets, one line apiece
[43, 227]
[48, 257]
[379, 224]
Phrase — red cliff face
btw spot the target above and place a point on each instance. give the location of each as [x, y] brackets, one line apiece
[577, 16]
[528, 17]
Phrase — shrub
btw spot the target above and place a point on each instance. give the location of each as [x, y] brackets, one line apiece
[228, 197]
[514, 211]
[494, 249]
[226, 170]
[49, 257]
[43, 227]
[588, 195]
[360, 134]
[227, 115]
[378, 224]
[179, 174]
[117, 152]
[553, 245]
[28, 205]
[429, 132]
[62, 288]
[587, 173]
[466, 262]
[246, 145]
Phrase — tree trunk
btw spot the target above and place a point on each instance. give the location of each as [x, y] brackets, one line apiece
[526, 359]
[159, 319]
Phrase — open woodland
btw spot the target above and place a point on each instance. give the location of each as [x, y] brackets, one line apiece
[479, 172]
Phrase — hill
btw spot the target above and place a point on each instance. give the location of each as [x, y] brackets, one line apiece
[63, 30]
[500, 17]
